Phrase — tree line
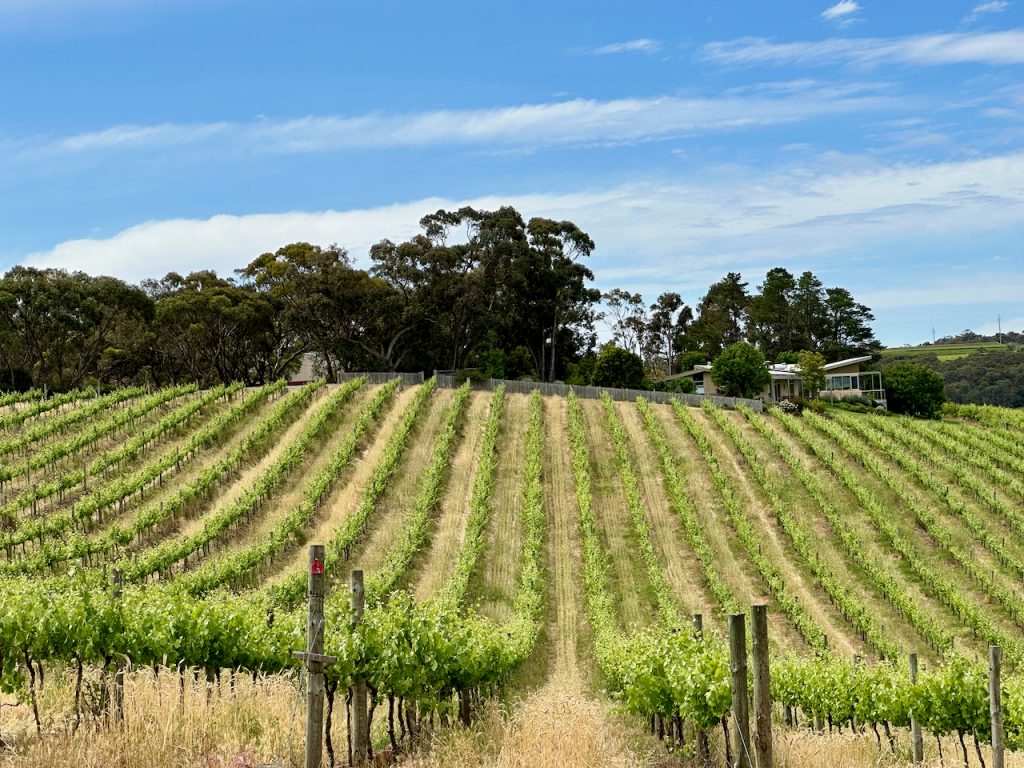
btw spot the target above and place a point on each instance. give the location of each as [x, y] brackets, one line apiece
[473, 289]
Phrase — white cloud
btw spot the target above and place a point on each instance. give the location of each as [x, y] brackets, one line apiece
[575, 121]
[688, 232]
[995, 48]
[640, 45]
[995, 6]
[842, 12]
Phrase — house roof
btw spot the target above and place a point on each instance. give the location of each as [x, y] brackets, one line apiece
[781, 371]
[847, 361]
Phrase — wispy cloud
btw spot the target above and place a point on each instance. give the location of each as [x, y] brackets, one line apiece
[842, 13]
[995, 48]
[743, 221]
[576, 121]
[982, 9]
[640, 45]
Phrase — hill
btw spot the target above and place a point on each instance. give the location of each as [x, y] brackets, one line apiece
[555, 549]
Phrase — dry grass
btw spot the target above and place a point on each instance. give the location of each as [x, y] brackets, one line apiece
[454, 507]
[558, 725]
[164, 727]
[504, 532]
[262, 723]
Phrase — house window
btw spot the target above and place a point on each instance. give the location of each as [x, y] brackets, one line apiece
[842, 382]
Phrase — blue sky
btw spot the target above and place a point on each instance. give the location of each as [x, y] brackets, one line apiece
[880, 145]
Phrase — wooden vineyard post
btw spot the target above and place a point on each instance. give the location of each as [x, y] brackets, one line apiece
[118, 694]
[854, 665]
[360, 722]
[995, 704]
[740, 703]
[762, 687]
[703, 743]
[315, 659]
[916, 742]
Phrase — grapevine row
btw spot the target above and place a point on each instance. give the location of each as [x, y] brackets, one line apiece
[667, 609]
[245, 562]
[102, 497]
[161, 557]
[984, 453]
[947, 593]
[661, 671]
[805, 545]
[337, 549]
[51, 454]
[65, 421]
[926, 519]
[454, 589]
[770, 574]
[19, 417]
[79, 546]
[883, 581]
[683, 506]
[898, 430]
[14, 398]
[428, 494]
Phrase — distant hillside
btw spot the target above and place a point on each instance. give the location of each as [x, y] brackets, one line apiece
[983, 372]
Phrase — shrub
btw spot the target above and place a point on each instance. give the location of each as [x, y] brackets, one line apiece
[914, 389]
[740, 371]
[618, 367]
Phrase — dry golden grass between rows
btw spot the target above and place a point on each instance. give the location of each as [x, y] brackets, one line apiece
[165, 726]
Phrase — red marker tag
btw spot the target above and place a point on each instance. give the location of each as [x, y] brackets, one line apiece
[317, 568]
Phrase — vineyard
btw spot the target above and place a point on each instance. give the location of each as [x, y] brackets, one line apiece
[154, 544]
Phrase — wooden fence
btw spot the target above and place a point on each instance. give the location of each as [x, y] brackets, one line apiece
[450, 380]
